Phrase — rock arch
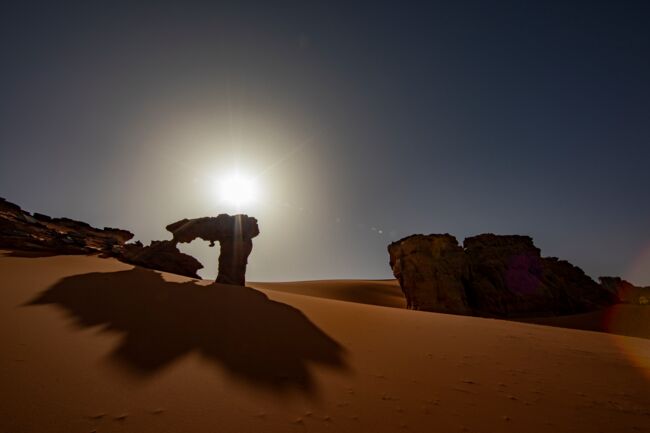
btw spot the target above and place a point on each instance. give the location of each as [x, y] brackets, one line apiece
[234, 234]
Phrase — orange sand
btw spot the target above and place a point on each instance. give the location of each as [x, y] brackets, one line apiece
[386, 293]
[110, 348]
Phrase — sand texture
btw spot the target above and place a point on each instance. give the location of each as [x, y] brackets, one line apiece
[92, 344]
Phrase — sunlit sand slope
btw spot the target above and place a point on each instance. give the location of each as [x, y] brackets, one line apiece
[92, 344]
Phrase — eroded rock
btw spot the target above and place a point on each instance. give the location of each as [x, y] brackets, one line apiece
[234, 234]
[20, 230]
[160, 255]
[625, 291]
[491, 275]
[431, 271]
[23, 231]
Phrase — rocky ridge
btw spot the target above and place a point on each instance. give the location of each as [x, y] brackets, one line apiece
[23, 231]
[491, 275]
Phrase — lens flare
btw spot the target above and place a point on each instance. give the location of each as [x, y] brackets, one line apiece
[632, 319]
[237, 189]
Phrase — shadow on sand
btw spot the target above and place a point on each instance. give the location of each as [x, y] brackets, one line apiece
[33, 254]
[265, 342]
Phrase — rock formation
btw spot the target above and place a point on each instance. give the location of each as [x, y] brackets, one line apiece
[431, 271]
[490, 275]
[626, 292]
[160, 255]
[20, 230]
[234, 234]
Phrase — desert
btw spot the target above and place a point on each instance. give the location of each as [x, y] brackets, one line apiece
[247, 216]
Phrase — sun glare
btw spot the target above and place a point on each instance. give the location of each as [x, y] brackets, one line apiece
[237, 190]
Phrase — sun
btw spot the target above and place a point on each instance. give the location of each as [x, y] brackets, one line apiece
[237, 189]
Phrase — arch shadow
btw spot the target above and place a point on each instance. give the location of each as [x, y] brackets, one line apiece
[264, 342]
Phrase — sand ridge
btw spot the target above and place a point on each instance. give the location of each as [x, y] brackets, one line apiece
[385, 293]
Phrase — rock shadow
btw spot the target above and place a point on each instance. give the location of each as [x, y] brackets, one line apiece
[265, 342]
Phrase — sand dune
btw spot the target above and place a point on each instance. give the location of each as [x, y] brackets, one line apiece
[386, 293]
[621, 319]
[92, 344]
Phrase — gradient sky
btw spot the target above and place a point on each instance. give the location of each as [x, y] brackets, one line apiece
[461, 117]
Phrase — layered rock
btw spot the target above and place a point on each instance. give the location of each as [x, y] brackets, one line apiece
[234, 234]
[21, 230]
[490, 275]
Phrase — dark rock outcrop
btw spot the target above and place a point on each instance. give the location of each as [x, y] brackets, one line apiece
[21, 230]
[491, 275]
[506, 274]
[625, 291]
[431, 271]
[160, 255]
[234, 234]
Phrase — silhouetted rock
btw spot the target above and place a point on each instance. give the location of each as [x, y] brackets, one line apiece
[625, 291]
[506, 274]
[234, 234]
[431, 271]
[21, 230]
[491, 275]
[574, 290]
[161, 255]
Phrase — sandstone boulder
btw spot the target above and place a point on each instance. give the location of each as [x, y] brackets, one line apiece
[506, 274]
[431, 271]
[491, 275]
